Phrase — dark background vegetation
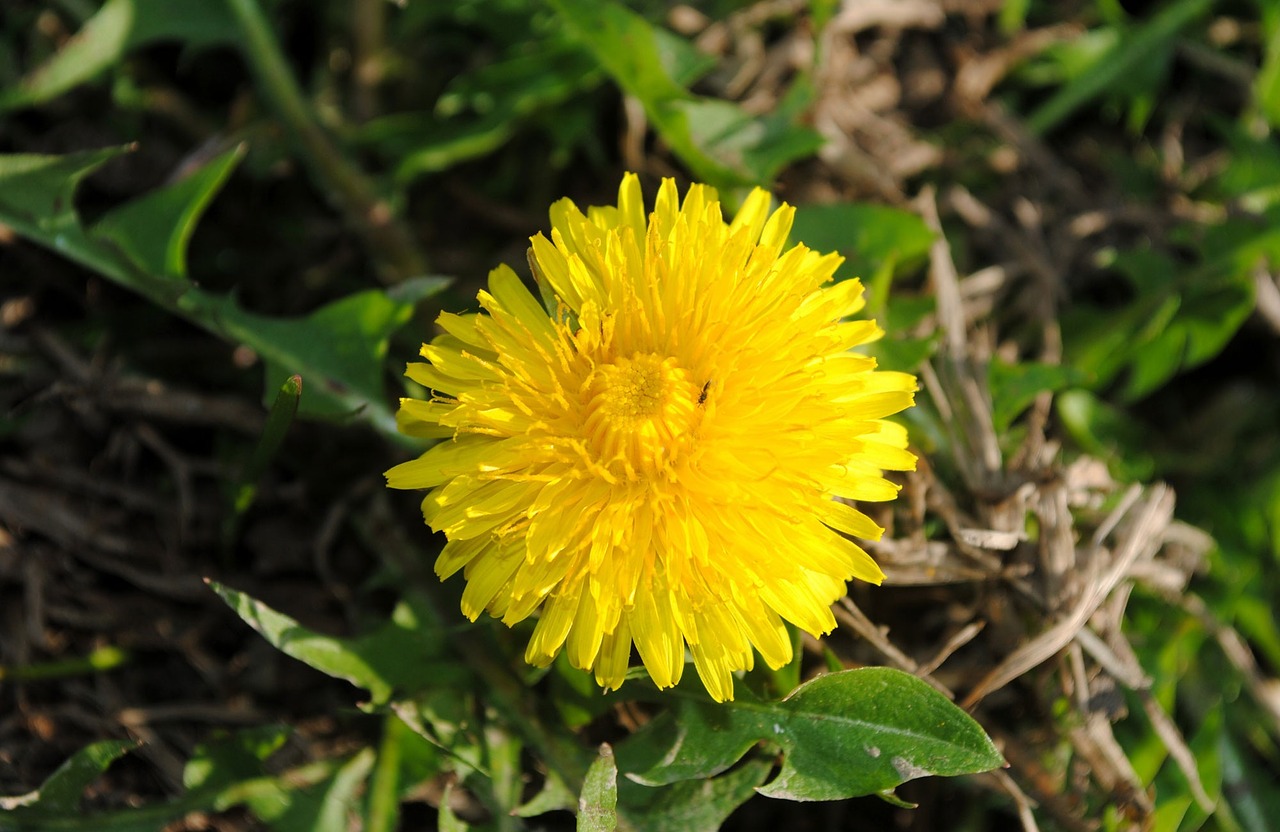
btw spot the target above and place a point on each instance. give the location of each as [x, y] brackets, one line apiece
[1086, 559]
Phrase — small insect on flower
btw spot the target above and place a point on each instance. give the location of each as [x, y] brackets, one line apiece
[663, 458]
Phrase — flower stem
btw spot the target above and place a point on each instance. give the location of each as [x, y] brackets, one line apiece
[389, 242]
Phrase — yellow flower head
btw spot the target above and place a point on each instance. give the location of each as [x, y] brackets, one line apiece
[661, 459]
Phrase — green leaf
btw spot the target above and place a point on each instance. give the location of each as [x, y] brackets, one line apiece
[553, 796]
[543, 72]
[224, 774]
[1129, 55]
[598, 803]
[441, 145]
[329, 803]
[1266, 85]
[39, 191]
[340, 348]
[683, 62]
[1252, 171]
[339, 804]
[442, 717]
[857, 732]
[1015, 386]
[1108, 433]
[153, 230]
[383, 813]
[482, 109]
[118, 27]
[403, 655]
[576, 696]
[61, 792]
[691, 805]
[756, 148]
[447, 820]
[348, 338]
[869, 236]
[903, 354]
[720, 143]
[230, 759]
[1182, 316]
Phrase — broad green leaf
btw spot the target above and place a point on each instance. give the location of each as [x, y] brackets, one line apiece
[118, 27]
[347, 338]
[61, 792]
[717, 140]
[338, 350]
[1131, 54]
[153, 230]
[598, 803]
[845, 734]
[1015, 386]
[869, 236]
[403, 655]
[691, 805]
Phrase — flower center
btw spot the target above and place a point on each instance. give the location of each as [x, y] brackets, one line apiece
[641, 412]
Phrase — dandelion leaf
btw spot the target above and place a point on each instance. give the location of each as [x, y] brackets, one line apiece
[62, 791]
[846, 734]
[401, 656]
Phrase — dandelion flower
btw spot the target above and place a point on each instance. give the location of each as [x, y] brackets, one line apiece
[662, 456]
